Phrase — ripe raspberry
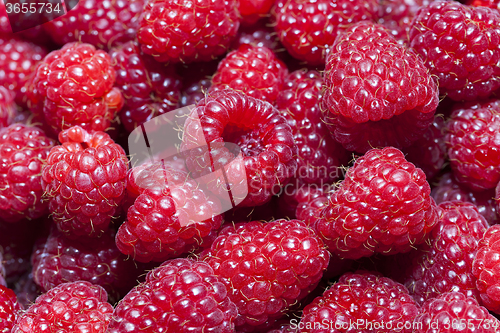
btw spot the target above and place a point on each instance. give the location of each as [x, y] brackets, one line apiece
[310, 210]
[196, 80]
[297, 194]
[26, 290]
[168, 218]
[252, 10]
[261, 35]
[377, 93]
[9, 309]
[252, 70]
[18, 59]
[8, 110]
[148, 88]
[485, 269]
[69, 307]
[74, 86]
[447, 265]
[459, 45]
[363, 297]
[484, 3]
[182, 295]
[319, 156]
[455, 313]
[84, 179]
[308, 27]
[23, 151]
[187, 30]
[382, 206]
[101, 23]
[267, 267]
[195, 92]
[262, 134]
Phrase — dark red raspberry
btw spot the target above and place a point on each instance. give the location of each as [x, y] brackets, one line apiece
[377, 92]
[148, 88]
[357, 300]
[319, 156]
[484, 3]
[454, 312]
[85, 180]
[74, 86]
[264, 137]
[460, 46]
[9, 309]
[182, 295]
[35, 34]
[309, 208]
[195, 92]
[252, 10]
[26, 290]
[168, 218]
[260, 34]
[267, 267]
[485, 269]
[102, 23]
[252, 70]
[23, 151]
[8, 110]
[447, 264]
[285, 327]
[196, 80]
[382, 206]
[188, 30]
[308, 27]
[69, 307]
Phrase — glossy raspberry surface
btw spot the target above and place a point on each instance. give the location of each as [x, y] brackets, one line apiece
[296, 194]
[460, 46]
[484, 3]
[8, 110]
[308, 27]
[9, 309]
[378, 93]
[252, 10]
[84, 180]
[182, 295]
[252, 70]
[309, 208]
[382, 206]
[187, 30]
[23, 152]
[71, 307]
[267, 267]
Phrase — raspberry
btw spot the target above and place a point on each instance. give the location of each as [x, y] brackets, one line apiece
[262, 134]
[484, 3]
[195, 92]
[196, 80]
[447, 265]
[472, 144]
[377, 93]
[309, 210]
[460, 45]
[486, 271]
[9, 309]
[148, 88]
[84, 179]
[74, 86]
[260, 35]
[454, 312]
[182, 295]
[23, 151]
[69, 307]
[252, 70]
[168, 218]
[8, 110]
[18, 59]
[382, 206]
[308, 27]
[26, 290]
[319, 156]
[252, 10]
[360, 297]
[299, 194]
[187, 30]
[101, 23]
[267, 267]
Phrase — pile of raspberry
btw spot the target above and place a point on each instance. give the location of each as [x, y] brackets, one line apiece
[231, 166]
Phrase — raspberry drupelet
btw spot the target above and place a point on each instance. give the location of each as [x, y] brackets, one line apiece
[84, 180]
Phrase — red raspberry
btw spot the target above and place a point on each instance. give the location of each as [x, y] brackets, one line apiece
[84, 179]
[188, 30]
[74, 86]
[319, 156]
[252, 70]
[262, 134]
[261, 34]
[102, 23]
[460, 45]
[308, 27]
[309, 210]
[148, 88]
[196, 80]
[454, 312]
[298, 194]
[9, 309]
[252, 10]
[377, 93]
[69, 307]
[447, 265]
[182, 295]
[382, 206]
[485, 269]
[195, 92]
[168, 218]
[484, 3]
[267, 267]
[23, 151]
[360, 298]
[8, 110]
[26, 290]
